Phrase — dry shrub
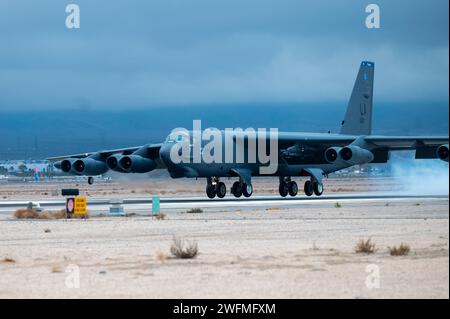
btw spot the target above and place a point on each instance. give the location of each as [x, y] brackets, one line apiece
[56, 269]
[160, 216]
[401, 250]
[26, 213]
[194, 211]
[184, 249]
[8, 260]
[337, 205]
[30, 213]
[58, 214]
[162, 257]
[365, 247]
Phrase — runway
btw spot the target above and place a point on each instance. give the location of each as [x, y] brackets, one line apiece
[179, 203]
[305, 245]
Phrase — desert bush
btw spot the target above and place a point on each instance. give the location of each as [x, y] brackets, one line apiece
[56, 269]
[160, 216]
[365, 247]
[162, 257]
[184, 249]
[337, 205]
[273, 209]
[401, 250]
[194, 211]
[28, 213]
[8, 260]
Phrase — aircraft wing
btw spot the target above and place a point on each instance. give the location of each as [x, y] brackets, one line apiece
[406, 142]
[425, 146]
[391, 142]
[106, 153]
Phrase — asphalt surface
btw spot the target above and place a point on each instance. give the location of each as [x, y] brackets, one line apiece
[171, 203]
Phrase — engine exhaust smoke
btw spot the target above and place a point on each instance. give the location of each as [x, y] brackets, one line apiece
[420, 177]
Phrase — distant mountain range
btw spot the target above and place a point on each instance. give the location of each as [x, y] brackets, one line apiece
[39, 134]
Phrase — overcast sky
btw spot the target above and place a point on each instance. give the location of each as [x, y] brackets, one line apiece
[141, 54]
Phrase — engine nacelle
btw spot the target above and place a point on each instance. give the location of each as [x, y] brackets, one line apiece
[67, 166]
[355, 155]
[442, 152]
[89, 167]
[137, 164]
[332, 154]
[113, 163]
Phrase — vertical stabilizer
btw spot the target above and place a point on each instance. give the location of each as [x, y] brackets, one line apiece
[358, 117]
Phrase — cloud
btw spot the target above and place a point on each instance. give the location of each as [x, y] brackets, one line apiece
[142, 54]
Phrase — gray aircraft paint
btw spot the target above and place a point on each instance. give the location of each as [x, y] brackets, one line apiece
[358, 118]
[299, 154]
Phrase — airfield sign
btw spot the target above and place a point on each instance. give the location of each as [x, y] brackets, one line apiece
[80, 206]
[70, 206]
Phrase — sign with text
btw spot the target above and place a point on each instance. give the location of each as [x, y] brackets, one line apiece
[80, 206]
[70, 206]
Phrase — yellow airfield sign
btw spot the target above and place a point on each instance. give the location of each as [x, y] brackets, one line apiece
[80, 206]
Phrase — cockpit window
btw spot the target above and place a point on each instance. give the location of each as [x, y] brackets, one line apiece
[178, 136]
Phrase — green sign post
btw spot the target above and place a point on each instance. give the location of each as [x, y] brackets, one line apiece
[155, 205]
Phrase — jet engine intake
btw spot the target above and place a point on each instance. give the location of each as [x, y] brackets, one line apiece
[113, 163]
[332, 154]
[67, 166]
[442, 152]
[89, 167]
[355, 155]
[137, 164]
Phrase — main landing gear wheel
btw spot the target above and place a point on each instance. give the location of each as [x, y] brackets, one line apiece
[293, 188]
[90, 180]
[221, 190]
[318, 188]
[237, 189]
[283, 189]
[309, 189]
[247, 190]
[210, 190]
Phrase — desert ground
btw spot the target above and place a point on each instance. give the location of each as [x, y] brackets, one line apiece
[301, 251]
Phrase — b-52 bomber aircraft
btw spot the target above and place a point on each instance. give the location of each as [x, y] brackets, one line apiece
[291, 154]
